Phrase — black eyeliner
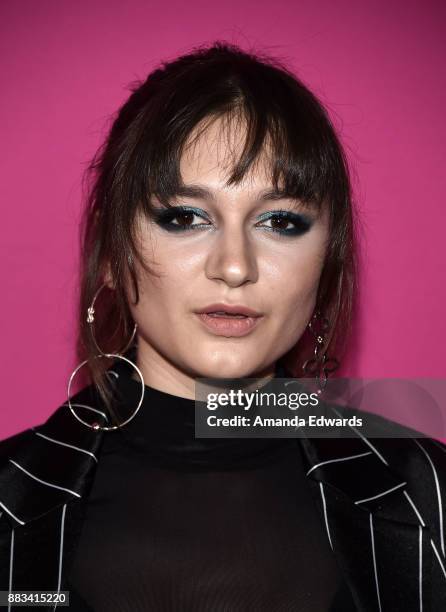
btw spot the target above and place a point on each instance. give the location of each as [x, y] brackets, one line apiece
[164, 217]
[301, 223]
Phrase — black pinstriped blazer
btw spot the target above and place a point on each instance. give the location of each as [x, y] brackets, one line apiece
[381, 500]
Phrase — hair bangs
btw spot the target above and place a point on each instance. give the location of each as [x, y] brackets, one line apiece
[281, 130]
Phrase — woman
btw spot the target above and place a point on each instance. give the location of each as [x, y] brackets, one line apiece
[219, 229]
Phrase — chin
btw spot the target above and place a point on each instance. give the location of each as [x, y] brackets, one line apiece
[227, 370]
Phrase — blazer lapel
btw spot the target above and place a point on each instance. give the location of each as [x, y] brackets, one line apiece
[382, 547]
[51, 464]
[46, 475]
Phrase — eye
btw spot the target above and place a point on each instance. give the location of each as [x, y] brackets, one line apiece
[287, 223]
[183, 215]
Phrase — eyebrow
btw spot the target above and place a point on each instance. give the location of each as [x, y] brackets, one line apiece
[198, 191]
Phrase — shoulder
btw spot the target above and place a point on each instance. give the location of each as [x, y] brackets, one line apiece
[47, 465]
[416, 459]
[400, 440]
[59, 430]
[9, 445]
[402, 443]
[407, 452]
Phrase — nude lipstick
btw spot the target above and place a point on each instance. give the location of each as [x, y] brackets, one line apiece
[229, 319]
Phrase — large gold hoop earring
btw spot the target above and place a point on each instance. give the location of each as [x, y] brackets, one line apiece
[96, 426]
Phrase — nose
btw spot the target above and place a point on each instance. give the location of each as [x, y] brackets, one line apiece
[232, 259]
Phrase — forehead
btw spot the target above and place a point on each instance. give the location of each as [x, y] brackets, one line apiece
[211, 152]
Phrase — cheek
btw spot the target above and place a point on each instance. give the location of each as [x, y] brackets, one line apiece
[164, 298]
[293, 311]
[297, 280]
[159, 298]
[172, 269]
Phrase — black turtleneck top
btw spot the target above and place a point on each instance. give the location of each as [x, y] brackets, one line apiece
[176, 523]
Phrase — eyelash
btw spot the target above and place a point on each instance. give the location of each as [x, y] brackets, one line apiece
[165, 217]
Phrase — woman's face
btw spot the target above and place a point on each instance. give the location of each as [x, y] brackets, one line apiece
[230, 247]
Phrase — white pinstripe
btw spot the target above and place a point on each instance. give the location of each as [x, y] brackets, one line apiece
[82, 450]
[409, 499]
[420, 566]
[62, 529]
[360, 501]
[339, 459]
[423, 524]
[374, 560]
[438, 557]
[48, 484]
[364, 439]
[11, 514]
[437, 486]
[325, 513]
[88, 408]
[11, 561]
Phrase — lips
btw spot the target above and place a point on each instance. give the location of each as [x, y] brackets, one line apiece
[229, 319]
[225, 314]
[229, 310]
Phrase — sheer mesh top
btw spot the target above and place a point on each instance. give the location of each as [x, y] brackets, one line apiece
[177, 523]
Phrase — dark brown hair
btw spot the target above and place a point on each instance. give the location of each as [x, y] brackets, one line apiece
[140, 158]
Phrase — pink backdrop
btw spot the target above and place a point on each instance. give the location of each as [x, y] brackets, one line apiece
[65, 66]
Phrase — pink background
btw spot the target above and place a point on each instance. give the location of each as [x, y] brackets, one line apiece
[65, 66]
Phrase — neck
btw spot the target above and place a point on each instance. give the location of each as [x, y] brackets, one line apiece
[165, 376]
